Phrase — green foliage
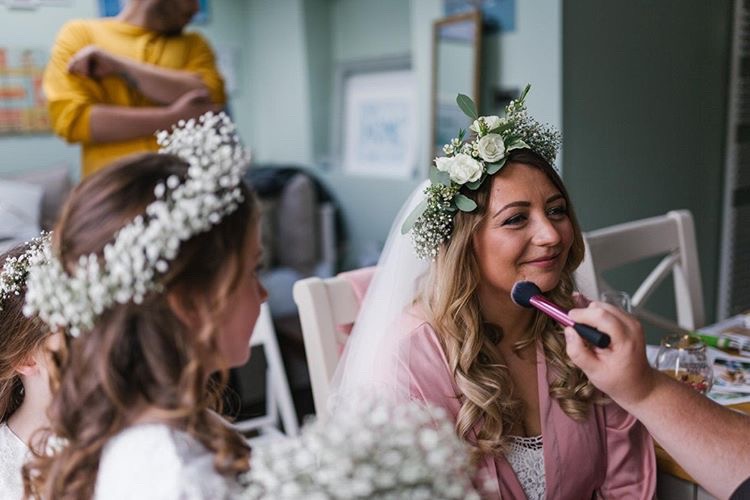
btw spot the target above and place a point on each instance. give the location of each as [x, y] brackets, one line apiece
[464, 203]
[467, 106]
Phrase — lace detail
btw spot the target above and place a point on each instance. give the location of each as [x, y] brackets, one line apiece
[12, 456]
[526, 456]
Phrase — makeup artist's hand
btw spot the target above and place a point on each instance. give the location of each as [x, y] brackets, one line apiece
[621, 370]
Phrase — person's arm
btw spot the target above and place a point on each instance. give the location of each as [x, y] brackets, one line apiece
[119, 123]
[710, 442]
[161, 85]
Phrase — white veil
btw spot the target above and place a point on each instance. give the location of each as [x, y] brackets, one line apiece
[370, 363]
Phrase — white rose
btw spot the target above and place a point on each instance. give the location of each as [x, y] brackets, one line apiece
[491, 148]
[463, 168]
[443, 163]
[491, 122]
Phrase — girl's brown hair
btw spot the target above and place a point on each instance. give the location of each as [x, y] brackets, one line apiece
[141, 355]
[451, 302]
[19, 338]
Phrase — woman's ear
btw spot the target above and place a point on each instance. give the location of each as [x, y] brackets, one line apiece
[28, 366]
[185, 309]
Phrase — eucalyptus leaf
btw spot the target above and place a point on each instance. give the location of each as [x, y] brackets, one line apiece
[413, 216]
[438, 177]
[467, 106]
[518, 144]
[495, 167]
[464, 203]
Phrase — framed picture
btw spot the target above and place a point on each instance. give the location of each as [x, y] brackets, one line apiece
[496, 14]
[378, 121]
[22, 4]
[110, 8]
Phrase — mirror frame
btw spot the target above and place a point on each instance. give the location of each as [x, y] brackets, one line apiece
[476, 17]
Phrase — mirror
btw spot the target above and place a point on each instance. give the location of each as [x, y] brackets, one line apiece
[455, 69]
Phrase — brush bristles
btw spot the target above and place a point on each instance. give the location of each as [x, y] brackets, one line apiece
[523, 291]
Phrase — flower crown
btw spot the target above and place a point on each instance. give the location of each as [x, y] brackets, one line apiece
[141, 251]
[16, 269]
[468, 163]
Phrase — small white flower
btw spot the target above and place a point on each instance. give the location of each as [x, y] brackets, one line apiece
[390, 464]
[491, 148]
[463, 168]
[142, 250]
[490, 123]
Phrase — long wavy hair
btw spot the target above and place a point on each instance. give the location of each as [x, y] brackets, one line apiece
[20, 337]
[450, 300]
[141, 355]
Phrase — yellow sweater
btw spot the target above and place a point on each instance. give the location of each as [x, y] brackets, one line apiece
[70, 97]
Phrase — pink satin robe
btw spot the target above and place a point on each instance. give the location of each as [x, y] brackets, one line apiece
[609, 455]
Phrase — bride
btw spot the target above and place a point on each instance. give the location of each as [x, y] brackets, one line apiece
[443, 330]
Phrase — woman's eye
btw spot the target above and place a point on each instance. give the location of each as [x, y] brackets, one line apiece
[557, 211]
[514, 220]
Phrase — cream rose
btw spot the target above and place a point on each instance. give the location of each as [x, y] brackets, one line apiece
[491, 148]
[443, 163]
[463, 168]
[491, 122]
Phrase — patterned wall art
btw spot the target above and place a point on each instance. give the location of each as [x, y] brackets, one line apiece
[22, 106]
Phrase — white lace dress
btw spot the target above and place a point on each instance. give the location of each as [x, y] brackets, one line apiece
[157, 462]
[13, 453]
[526, 457]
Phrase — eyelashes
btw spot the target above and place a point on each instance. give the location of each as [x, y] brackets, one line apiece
[556, 213]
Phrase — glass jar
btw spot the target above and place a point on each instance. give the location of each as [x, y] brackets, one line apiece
[683, 357]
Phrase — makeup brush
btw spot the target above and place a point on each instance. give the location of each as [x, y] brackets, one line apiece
[527, 294]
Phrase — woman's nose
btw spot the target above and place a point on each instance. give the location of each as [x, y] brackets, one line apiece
[546, 233]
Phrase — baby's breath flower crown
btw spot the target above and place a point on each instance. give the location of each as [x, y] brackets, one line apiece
[16, 269]
[131, 265]
[467, 164]
[373, 450]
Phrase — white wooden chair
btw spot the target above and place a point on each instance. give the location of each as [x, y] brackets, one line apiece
[323, 305]
[279, 403]
[672, 236]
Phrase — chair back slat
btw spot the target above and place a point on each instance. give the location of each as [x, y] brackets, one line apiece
[671, 235]
[324, 305]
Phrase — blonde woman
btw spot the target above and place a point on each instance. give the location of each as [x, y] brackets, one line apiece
[446, 332]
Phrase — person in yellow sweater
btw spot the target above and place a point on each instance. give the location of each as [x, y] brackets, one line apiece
[112, 83]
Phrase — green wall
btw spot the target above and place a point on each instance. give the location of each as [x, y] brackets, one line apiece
[644, 99]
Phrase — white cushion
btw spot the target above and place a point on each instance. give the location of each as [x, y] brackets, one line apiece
[20, 205]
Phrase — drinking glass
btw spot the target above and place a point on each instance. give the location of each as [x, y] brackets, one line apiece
[617, 298]
[683, 357]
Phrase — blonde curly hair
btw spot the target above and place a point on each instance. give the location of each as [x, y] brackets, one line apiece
[450, 301]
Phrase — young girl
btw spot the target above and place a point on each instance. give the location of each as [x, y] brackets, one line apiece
[154, 279]
[24, 383]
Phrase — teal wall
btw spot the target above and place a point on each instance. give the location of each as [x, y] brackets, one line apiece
[637, 87]
[644, 99]
[38, 28]
[363, 29]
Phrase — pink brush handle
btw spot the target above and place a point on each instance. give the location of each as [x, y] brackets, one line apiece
[552, 310]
